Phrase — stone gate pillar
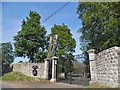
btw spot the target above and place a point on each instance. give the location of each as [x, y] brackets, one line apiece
[46, 70]
[54, 68]
[92, 63]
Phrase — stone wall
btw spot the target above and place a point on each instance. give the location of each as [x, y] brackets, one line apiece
[107, 67]
[5, 68]
[26, 68]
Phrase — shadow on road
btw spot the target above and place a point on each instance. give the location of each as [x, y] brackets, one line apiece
[76, 81]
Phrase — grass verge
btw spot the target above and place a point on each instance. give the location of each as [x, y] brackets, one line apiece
[96, 85]
[16, 76]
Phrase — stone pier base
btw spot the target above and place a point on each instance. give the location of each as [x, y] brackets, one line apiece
[52, 80]
[54, 66]
[91, 82]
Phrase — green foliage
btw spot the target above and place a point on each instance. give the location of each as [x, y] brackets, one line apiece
[96, 85]
[69, 65]
[16, 76]
[78, 67]
[40, 56]
[6, 53]
[100, 24]
[31, 40]
[87, 66]
[66, 46]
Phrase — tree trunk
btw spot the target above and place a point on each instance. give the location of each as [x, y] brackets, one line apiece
[31, 59]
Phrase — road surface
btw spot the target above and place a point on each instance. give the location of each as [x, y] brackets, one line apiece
[8, 84]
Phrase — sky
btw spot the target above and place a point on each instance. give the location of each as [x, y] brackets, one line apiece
[14, 12]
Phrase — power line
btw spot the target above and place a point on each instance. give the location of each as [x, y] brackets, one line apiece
[55, 12]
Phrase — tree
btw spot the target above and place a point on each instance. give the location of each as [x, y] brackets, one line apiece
[100, 24]
[6, 53]
[66, 46]
[69, 63]
[78, 67]
[31, 40]
[87, 66]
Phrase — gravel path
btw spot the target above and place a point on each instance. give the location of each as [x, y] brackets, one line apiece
[8, 84]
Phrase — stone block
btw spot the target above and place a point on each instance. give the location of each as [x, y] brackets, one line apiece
[108, 67]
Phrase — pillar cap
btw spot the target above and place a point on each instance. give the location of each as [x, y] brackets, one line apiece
[91, 51]
[54, 57]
